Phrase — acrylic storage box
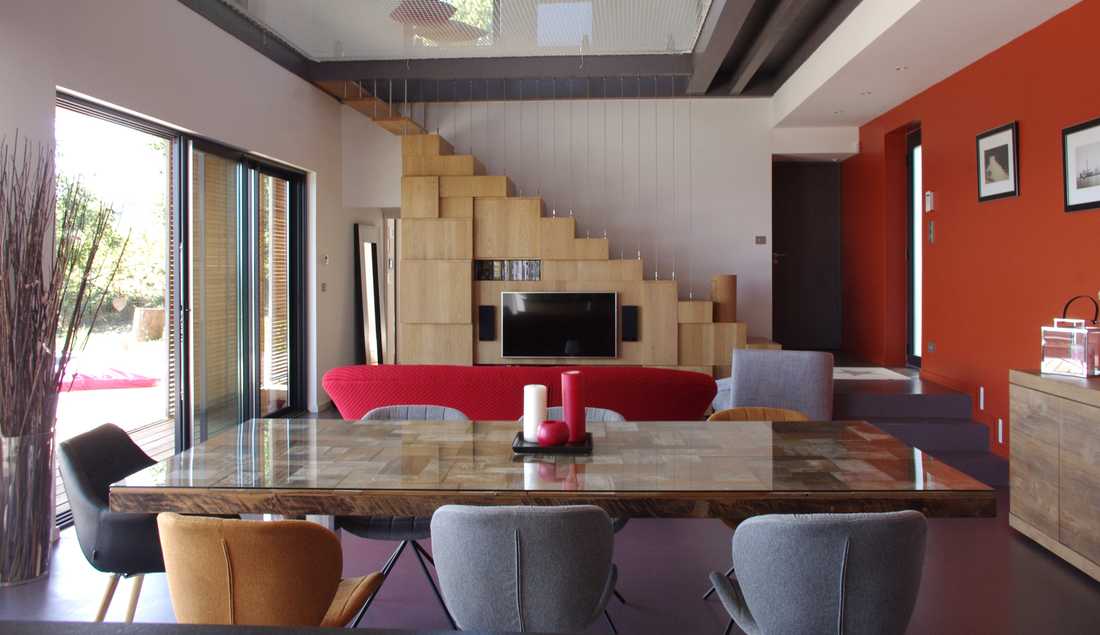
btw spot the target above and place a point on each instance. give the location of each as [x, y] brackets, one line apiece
[1071, 347]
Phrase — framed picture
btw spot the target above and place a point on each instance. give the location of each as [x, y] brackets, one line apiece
[998, 163]
[1081, 166]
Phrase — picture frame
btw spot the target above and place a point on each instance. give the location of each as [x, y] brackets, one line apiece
[1081, 166]
[998, 152]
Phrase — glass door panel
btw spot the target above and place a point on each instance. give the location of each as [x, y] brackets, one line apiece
[216, 349]
[273, 293]
[916, 247]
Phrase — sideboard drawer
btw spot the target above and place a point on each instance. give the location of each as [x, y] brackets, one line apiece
[1079, 459]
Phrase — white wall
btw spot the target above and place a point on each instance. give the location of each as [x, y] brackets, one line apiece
[686, 181]
[161, 60]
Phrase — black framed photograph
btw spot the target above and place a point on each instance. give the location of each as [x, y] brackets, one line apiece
[1081, 166]
[998, 163]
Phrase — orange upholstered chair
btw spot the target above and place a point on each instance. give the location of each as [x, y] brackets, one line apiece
[283, 573]
[755, 413]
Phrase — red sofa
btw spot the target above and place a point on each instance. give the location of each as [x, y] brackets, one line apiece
[496, 392]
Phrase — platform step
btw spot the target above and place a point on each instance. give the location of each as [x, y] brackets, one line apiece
[872, 405]
[983, 466]
[935, 435]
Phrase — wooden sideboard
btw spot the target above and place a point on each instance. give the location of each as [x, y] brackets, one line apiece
[1055, 465]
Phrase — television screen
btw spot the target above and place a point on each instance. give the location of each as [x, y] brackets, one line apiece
[555, 324]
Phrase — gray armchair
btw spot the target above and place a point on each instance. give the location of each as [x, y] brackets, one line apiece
[406, 531]
[796, 380]
[524, 568]
[825, 573]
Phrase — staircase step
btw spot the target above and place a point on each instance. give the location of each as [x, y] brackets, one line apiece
[933, 435]
[871, 405]
[400, 126]
[446, 165]
[425, 144]
[983, 466]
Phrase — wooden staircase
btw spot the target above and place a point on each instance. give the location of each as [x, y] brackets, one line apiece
[453, 214]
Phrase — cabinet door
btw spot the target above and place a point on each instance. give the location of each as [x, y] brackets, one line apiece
[1080, 479]
[1033, 464]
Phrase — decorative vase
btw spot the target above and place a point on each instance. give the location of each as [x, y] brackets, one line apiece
[26, 507]
[552, 433]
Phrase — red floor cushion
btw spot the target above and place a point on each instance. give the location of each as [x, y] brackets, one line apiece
[496, 392]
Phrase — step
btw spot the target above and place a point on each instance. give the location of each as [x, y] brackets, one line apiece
[476, 186]
[983, 466]
[400, 126]
[875, 405]
[933, 435]
[436, 165]
[425, 144]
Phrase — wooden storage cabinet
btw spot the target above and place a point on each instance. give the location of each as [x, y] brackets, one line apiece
[1054, 465]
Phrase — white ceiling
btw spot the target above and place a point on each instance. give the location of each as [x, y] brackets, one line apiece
[366, 29]
[930, 42]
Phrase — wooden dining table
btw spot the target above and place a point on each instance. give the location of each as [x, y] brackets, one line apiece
[729, 470]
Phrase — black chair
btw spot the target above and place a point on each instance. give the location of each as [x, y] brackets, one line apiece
[124, 545]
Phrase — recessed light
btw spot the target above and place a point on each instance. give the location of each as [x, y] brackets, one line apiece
[838, 112]
[901, 68]
[864, 92]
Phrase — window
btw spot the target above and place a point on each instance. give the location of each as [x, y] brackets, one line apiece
[916, 246]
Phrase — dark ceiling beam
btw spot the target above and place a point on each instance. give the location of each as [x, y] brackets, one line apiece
[839, 11]
[781, 19]
[723, 22]
[248, 31]
[498, 68]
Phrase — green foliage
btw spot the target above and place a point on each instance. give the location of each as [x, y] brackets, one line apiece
[140, 278]
[477, 13]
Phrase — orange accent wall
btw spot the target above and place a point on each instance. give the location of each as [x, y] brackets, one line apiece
[998, 270]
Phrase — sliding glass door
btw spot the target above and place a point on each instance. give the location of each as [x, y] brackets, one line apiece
[244, 314]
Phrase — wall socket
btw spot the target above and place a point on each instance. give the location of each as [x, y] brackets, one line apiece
[761, 240]
[931, 347]
[981, 397]
[1000, 431]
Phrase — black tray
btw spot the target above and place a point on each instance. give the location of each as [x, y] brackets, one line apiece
[519, 446]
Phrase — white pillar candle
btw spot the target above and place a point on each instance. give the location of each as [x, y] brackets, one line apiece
[534, 411]
[531, 480]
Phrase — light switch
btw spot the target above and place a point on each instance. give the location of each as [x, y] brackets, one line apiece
[761, 240]
[929, 201]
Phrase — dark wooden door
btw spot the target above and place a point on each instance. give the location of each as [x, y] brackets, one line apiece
[806, 257]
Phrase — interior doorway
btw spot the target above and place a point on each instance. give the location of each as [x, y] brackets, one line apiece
[915, 250]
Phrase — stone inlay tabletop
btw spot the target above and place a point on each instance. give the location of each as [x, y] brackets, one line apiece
[694, 469]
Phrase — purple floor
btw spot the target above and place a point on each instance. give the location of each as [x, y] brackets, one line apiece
[979, 577]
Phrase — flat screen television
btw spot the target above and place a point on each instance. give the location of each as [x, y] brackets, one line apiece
[552, 324]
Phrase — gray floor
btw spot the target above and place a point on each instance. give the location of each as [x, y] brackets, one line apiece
[979, 577]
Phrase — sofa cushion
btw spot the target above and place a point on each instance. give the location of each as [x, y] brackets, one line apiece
[496, 392]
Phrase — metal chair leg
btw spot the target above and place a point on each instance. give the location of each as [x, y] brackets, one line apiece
[729, 627]
[423, 552]
[607, 616]
[385, 573]
[729, 572]
[135, 592]
[620, 596]
[420, 558]
[108, 594]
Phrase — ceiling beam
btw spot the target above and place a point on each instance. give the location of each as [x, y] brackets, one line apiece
[781, 19]
[475, 68]
[723, 22]
[840, 10]
[248, 31]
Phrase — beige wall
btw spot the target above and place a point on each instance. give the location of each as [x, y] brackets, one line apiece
[161, 60]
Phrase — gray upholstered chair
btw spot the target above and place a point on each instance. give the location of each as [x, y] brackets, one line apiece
[405, 531]
[825, 573]
[524, 568]
[796, 380]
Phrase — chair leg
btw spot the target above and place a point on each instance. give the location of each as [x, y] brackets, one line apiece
[607, 616]
[135, 592]
[417, 549]
[729, 572]
[385, 573]
[620, 596]
[108, 593]
[729, 627]
[423, 552]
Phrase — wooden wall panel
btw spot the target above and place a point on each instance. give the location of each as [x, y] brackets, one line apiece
[592, 270]
[556, 237]
[456, 207]
[420, 197]
[659, 315]
[727, 336]
[435, 292]
[473, 186]
[435, 344]
[506, 227]
[436, 239]
[590, 249]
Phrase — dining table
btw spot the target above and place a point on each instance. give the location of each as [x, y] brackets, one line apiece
[668, 469]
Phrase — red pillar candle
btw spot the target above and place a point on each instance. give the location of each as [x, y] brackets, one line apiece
[572, 401]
